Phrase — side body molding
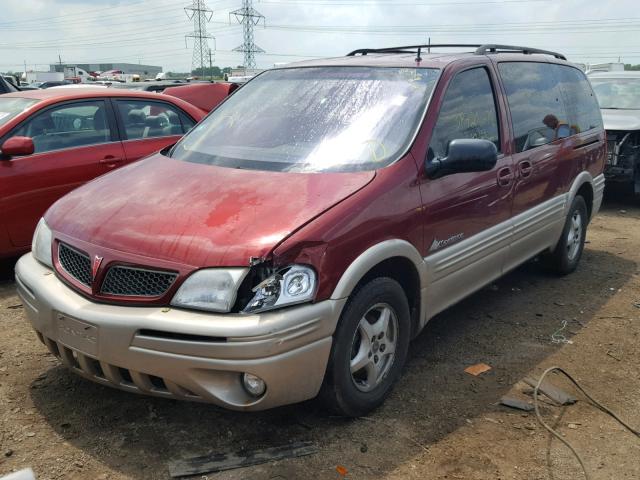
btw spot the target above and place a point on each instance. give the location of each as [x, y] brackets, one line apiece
[455, 272]
[373, 256]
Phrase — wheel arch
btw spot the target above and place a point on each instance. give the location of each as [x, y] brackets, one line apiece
[590, 189]
[396, 259]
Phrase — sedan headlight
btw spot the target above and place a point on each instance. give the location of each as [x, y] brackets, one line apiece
[41, 244]
[288, 286]
[212, 289]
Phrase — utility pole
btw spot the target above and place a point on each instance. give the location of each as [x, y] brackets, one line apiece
[210, 66]
[248, 17]
[201, 15]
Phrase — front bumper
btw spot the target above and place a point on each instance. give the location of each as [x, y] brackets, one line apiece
[178, 353]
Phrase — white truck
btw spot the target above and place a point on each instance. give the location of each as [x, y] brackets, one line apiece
[76, 74]
[31, 77]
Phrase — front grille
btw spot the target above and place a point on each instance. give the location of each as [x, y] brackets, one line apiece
[75, 263]
[136, 282]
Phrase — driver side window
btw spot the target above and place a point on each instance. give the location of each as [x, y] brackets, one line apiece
[68, 126]
[468, 111]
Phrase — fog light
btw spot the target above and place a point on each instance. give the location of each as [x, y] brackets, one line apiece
[254, 386]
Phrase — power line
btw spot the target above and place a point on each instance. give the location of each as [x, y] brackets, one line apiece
[248, 17]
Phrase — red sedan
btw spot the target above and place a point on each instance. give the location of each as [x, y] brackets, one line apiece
[52, 141]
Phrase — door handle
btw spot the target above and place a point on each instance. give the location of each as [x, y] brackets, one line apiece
[526, 168]
[504, 176]
[111, 161]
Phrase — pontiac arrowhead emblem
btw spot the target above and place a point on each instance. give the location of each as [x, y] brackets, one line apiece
[97, 260]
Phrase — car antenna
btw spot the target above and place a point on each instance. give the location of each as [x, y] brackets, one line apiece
[419, 58]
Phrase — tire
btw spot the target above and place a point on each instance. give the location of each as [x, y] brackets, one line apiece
[364, 343]
[565, 257]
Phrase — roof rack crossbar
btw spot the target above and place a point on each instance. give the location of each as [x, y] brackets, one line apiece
[491, 48]
[480, 49]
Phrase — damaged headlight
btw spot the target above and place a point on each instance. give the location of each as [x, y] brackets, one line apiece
[288, 286]
[212, 289]
[41, 244]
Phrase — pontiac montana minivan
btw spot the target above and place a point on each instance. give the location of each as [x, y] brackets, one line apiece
[294, 242]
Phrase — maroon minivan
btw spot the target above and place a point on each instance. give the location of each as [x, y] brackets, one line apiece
[295, 241]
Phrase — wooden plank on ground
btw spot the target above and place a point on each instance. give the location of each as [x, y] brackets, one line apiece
[218, 462]
[554, 393]
[514, 402]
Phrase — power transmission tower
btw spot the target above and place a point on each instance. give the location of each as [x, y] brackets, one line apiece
[201, 15]
[248, 17]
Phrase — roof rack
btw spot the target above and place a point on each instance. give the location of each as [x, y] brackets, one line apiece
[489, 48]
[364, 51]
[480, 49]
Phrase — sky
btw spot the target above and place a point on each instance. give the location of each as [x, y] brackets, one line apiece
[153, 32]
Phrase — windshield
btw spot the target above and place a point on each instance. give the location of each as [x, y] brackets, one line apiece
[617, 93]
[314, 119]
[12, 106]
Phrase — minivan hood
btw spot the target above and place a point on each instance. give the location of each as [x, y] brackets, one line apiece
[621, 119]
[194, 214]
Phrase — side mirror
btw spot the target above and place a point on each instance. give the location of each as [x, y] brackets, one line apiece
[464, 155]
[17, 146]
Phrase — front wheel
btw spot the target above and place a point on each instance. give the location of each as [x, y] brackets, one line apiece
[369, 348]
[565, 257]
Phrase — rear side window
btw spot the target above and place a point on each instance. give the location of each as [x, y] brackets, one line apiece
[580, 101]
[68, 126]
[468, 111]
[148, 119]
[535, 100]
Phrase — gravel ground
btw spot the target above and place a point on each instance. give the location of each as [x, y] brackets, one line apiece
[439, 423]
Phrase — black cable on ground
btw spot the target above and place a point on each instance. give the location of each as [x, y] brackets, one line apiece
[594, 402]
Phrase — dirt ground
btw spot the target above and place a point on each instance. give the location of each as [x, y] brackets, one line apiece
[439, 423]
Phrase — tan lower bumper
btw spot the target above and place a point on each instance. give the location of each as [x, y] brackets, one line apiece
[181, 354]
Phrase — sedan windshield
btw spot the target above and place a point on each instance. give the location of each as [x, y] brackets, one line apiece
[617, 93]
[12, 106]
[314, 119]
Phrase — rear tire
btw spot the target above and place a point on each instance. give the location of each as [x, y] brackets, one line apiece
[565, 257]
[369, 349]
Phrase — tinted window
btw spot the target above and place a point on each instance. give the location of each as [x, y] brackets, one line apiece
[580, 101]
[314, 119]
[148, 119]
[535, 101]
[68, 126]
[468, 111]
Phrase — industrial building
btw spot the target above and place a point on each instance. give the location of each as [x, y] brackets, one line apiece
[146, 71]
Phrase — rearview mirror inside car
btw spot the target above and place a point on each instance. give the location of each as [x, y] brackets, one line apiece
[17, 146]
[464, 155]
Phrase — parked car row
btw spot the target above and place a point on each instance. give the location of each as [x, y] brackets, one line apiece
[54, 140]
[296, 239]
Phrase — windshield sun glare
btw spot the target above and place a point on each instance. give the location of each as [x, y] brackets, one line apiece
[314, 119]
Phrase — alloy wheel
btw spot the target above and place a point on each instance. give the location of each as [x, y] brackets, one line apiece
[373, 347]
